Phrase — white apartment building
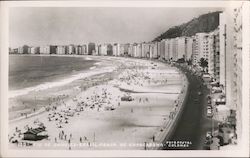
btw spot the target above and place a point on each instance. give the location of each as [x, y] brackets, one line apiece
[222, 36]
[71, 49]
[84, 49]
[237, 68]
[181, 47]
[61, 50]
[175, 49]
[116, 49]
[233, 17]
[211, 55]
[189, 48]
[121, 49]
[171, 49]
[32, 50]
[201, 47]
[139, 50]
[155, 50]
[166, 45]
[45, 50]
[162, 49]
[103, 48]
[134, 50]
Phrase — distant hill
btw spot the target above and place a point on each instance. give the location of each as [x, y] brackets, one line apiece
[204, 23]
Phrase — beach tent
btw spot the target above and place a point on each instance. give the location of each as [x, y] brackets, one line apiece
[35, 134]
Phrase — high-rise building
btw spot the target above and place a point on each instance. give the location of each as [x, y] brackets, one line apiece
[23, 49]
[162, 49]
[116, 49]
[189, 48]
[155, 50]
[233, 17]
[122, 49]
[48, 49]
[34, 50]
[175, 48]
[134, 50]
[71, 49]
[139, 50]
[181, 47]
[61, 50]
[110, 50]
[91, 48]
[222, 36]
[214, 51]
[146, 49]
[166, 53]
[201, 48]
[103, 49]
[171, 49]
[84, 49]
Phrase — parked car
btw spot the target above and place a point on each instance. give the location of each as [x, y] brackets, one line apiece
[209, 112]
[209, 102]
[199, 93]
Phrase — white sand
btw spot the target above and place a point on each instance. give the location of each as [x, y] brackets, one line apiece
[133, 122]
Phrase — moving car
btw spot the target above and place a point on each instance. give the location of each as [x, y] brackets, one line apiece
[126, 98]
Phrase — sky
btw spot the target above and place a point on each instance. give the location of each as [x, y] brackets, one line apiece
[65, 25]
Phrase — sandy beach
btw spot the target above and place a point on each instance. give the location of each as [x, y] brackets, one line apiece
[120, 103]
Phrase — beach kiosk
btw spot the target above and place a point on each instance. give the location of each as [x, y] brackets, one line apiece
[35, 134]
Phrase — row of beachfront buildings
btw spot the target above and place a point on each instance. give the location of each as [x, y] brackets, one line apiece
[209, 46]
[221, 48]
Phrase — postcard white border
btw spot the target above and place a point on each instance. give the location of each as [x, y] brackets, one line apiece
[243, 150]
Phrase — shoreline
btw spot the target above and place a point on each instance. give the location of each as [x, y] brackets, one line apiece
[147, 61]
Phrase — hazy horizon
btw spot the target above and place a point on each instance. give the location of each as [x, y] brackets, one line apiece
[59, 25]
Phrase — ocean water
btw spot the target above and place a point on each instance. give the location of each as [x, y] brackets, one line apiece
[30, 71]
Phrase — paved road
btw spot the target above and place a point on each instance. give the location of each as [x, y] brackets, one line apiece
[193, 124]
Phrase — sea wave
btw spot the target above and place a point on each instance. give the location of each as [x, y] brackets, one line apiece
[47, 85]
[92, 68]
[88, 58]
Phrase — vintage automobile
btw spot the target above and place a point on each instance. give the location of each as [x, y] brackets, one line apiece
[209, 111]
[126, 98]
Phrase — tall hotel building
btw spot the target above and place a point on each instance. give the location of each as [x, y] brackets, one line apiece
[139, 50]
[171, 49]
[214, 52]
[237, 69]
[167, 44]
[189, 48]
[122, 49]
[61, 50]
[233, 17]
[222, 36]
[85, 49]
[91, 48]
[201, 47]
[162, 49]
[116, 49]
[181, 47]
